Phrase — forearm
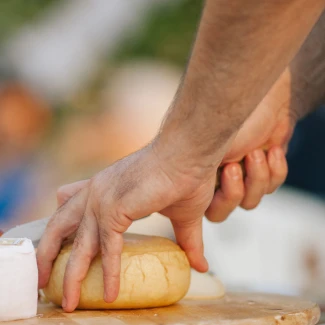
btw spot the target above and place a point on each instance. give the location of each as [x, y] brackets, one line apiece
[307, 73]
[300, 89]
[241, 49]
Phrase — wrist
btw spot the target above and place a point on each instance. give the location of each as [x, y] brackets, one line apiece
[185, 171]
[185, 150]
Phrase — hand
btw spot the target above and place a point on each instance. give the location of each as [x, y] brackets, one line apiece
[264, 173]
[99, 210]
[271, 127]
[297, 92]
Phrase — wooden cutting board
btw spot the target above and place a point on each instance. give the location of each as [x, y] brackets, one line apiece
[233, 309]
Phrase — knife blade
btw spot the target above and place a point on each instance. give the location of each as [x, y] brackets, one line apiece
[35, 229]
[32, 230]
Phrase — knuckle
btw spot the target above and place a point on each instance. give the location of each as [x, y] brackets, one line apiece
[120, 210]
[121, 221]
[97, 194]
[61, 193]
[65, 221]
[56, 231]
[95, 185]
[65, 229]
[116, 220]
[70, 229]
[60, 197]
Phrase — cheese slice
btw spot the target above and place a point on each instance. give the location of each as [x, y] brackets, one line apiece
[18, 279]
[205, 286]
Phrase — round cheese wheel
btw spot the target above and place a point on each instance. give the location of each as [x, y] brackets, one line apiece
[155, 272]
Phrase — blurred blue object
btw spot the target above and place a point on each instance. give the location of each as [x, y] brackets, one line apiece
[13, 190]
[306, 154]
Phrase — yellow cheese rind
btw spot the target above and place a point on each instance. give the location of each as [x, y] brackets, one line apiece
[155, 272]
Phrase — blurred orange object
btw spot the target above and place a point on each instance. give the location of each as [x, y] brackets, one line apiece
[24, 117]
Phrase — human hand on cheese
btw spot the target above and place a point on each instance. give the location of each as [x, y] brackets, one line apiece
[105, 207]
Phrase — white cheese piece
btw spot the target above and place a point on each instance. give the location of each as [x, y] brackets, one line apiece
[18, 279]
[204, 286]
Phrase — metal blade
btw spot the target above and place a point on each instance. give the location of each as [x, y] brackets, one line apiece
[32, 230]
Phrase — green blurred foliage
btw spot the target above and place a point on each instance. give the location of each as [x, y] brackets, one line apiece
[15, 13]
[168, 34]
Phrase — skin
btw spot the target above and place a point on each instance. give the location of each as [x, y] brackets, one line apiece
[298, 91]
[175, 173]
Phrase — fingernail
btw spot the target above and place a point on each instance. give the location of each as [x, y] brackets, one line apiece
[64, 302]
[234, 172]
[258, 155]
[277, 153]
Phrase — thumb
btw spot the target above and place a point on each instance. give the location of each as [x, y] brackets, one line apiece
[189, 238]
[65, 192]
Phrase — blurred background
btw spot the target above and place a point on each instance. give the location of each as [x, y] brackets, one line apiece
[83, 83]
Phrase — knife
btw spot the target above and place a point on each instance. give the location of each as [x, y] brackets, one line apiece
[35, 229]
[32, 230]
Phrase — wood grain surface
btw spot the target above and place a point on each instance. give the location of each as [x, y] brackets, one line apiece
[233, 309]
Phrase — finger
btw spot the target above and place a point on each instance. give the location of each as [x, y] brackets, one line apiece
[85, 248]
[278, 168]
[229, 195]
[189, 238]
[256, 180]
[65, 192]
[111, 245]
[62, 224]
